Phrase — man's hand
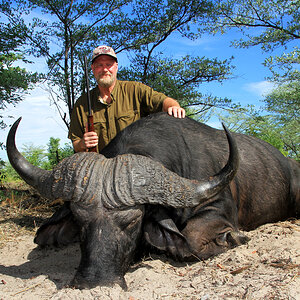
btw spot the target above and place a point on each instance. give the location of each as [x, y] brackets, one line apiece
[89, 140]
[172, 107]
[177, 112]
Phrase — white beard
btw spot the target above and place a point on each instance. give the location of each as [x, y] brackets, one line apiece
[106, 81]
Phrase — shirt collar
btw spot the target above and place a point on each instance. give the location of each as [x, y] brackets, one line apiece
[111, 94]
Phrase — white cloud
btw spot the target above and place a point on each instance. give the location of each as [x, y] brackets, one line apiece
[261, 88]
[40, 121]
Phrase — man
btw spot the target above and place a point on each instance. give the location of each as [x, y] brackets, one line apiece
[116, 104]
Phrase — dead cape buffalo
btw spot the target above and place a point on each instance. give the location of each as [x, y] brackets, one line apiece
[127, 204]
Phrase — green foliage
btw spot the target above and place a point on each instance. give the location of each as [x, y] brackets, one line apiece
[14, 80]
[266, 128]
[177, 78]
[39, 157]
[271, 24]
[34, 154]
[66, 31]
[2, 165]
[69, 30]
[53, 151]
[180, 79]
[284, 68]
[284, 101]
[284, 104]
[56, 153]
[283, 136]
[8, 174]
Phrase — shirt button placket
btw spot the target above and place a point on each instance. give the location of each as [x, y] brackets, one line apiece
[110, 118]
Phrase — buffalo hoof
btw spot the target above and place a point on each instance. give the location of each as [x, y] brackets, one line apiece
[82, 283]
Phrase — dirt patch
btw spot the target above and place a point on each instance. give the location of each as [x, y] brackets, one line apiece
[22, 210]
[268, 267]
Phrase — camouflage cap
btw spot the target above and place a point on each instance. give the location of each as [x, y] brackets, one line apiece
[104, 50]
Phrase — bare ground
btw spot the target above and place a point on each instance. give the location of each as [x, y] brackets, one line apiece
[268, 267]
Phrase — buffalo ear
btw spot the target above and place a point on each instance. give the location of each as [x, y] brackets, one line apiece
[162, 233]
[59, 230]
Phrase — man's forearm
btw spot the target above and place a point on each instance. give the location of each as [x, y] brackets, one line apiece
[79, 146]
[172, 107]
[169, 102]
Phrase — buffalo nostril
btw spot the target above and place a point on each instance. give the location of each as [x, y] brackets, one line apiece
[231, 239]
[221, 240]
[236, 238]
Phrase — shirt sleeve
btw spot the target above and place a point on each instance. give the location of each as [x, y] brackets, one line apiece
[152, 101]
[78, 121]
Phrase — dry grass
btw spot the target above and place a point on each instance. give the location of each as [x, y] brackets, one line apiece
[22, 211]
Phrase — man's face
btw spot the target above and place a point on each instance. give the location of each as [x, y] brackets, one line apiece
[105, 70]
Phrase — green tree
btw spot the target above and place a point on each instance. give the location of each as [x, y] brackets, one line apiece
[284, 104]
[177, 78]
[14, 80]
[65, 32]
[284, 101]
[53, 151]
[8, 173]
[274, 25]
[68, 30]
[36, 155]
[66, 151]
[270, 24]
[56, 153]
[39, 157]
[268, 127]
[180, 79]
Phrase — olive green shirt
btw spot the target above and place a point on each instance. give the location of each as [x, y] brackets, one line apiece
[130, 101]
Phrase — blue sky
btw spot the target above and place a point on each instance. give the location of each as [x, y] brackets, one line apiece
[40, 121]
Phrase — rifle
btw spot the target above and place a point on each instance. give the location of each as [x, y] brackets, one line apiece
[90, 125]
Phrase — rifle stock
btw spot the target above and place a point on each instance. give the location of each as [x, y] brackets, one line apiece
[90, 125]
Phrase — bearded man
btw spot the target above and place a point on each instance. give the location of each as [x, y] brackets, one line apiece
[115, 104]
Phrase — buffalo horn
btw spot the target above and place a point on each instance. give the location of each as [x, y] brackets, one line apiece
[148, 182]
[125, 180]
[31, 174]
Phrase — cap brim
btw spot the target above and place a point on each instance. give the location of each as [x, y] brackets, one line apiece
[104, 54]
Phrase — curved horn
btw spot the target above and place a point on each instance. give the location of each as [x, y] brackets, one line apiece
[125, 180]
[26, 170]
[222, 179]
[138, 179]
[64, 181]
[30, 173]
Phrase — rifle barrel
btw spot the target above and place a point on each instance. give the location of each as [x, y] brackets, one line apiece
[87, 83]
[90, 125]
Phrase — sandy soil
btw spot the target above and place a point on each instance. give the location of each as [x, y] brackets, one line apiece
[268, 267]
